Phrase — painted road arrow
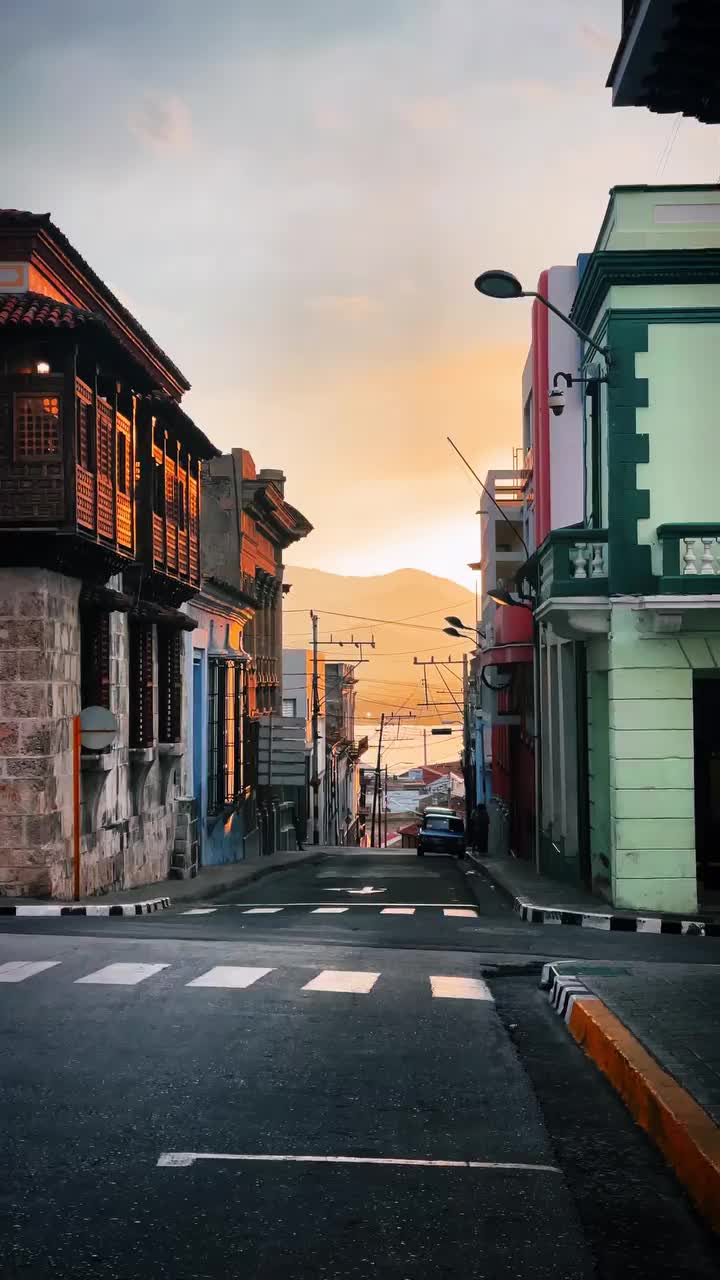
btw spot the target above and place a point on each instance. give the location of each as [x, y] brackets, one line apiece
[366, 889]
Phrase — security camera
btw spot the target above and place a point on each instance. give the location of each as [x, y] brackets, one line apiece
[556, 401]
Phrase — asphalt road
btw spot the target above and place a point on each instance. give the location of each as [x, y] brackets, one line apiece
[159, 1073]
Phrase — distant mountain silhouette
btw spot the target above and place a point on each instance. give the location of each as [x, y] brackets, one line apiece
[389, 680]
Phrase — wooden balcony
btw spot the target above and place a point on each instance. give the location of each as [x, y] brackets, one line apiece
[175, 527]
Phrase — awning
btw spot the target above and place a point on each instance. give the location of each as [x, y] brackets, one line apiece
[504, 655]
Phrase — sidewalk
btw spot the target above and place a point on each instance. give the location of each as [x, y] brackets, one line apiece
[654, 1031]
[165, 893]
[540, 900]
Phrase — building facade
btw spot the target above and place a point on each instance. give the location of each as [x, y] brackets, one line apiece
[628, 601]
[99, 549]
[343, 752]
[233, 666]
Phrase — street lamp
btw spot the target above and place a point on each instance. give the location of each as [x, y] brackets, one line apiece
[457, 625]
[503, 284]
[501, 596]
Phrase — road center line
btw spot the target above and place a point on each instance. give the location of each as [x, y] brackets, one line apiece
[184, 1159]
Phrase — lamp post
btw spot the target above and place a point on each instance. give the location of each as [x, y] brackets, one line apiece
[503, 284]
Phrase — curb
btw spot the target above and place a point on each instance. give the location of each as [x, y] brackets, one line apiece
[683, 1132]
[90, 909]
[599, 919]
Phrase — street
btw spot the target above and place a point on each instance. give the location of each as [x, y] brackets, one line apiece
[305, 1082]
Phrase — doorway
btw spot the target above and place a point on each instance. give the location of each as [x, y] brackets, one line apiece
[706, 736]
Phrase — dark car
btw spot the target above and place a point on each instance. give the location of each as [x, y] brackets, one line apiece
[441, 831]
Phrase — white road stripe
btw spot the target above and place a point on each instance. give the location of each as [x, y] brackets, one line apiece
[398, 911]
[19, 970]
[228, 975]
[262, 911]
[451, 988]
[122, 975]
[328, 911]
[184, 1159]
[343, 980]
[456, 911]
[199, 911]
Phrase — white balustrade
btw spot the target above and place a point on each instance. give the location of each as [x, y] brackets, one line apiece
[709, 556]
[588, 560]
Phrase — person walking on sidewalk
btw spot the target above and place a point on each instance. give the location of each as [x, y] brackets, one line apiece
[479, 825]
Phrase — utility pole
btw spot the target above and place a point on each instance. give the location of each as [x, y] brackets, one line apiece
[425, 747]
[376, 781]
[315, 731]
[386, 805]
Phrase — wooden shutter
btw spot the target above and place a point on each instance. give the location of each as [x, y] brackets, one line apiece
[170, 685]
[141, 685]
[95, 658]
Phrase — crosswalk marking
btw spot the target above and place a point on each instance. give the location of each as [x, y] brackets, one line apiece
[199, 911]
[328, 911]
[452, 988]
[229, 975]
[19, 970]
[454, 911]
[398, 911]
[122, 975]
[343, 980]
[262, 911]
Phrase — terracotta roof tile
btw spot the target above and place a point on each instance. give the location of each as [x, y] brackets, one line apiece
[35, 310]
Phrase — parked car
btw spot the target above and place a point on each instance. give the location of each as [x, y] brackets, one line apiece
[441, 831]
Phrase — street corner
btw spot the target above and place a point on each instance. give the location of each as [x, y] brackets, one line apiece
[675, 1122]
[54, 910]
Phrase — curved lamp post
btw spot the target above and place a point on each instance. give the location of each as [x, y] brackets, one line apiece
[503, 284]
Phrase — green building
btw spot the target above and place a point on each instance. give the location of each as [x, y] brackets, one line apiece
[628, 604]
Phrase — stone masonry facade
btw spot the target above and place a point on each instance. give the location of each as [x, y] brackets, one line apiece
[128, 801]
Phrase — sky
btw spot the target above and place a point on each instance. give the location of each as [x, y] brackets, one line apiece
[295, 196]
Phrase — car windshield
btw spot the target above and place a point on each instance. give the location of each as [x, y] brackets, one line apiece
[438, 822]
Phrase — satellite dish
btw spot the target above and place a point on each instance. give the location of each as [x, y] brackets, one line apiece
[98, 728]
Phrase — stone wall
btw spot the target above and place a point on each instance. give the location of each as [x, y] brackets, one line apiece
[39, 693]
[128, 798]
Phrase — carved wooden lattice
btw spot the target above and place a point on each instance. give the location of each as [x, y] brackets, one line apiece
[170, 514]
[193, 529]
[141, 684]
[37, 427]
[170, 685]
[105, 492]
[124, 482]
[85, 492]
[85, 424]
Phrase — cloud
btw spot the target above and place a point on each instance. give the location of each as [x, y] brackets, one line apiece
[593, 38]
[162, 122]
[346, 304]
[428, 114]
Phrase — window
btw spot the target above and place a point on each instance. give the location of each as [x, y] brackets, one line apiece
[158, 489]
[141, 685]
[85, 425]
[225, 734]
[289, 706]
[95, 658]
[170, 649]
[123, 461]
[181, 501]
[37, 427]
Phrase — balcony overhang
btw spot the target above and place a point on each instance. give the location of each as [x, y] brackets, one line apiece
[666, 60]
[576, 617]
[506, 655]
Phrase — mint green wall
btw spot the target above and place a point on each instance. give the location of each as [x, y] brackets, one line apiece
[650, 717]
[644, 220]
[683, 372]
[599, 781]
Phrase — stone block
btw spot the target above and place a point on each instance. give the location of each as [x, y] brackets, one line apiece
[23, 633]
[669, 682]
[654, 833]
[652, 803]
[652, 774]
[651, 744]
[678, 894]
[9, 738]
[11, 830]
[24, 882]
[651, 713]
[23, 858]
[25, 700]
[646, 864]
[44, 737]
[31, 604]
[631, 652]
[42, 829]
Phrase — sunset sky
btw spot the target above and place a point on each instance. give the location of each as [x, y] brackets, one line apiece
[294, 197]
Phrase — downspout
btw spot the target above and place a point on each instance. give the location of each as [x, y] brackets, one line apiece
[537, 759]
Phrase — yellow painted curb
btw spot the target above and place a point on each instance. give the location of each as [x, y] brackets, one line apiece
[681, 1129]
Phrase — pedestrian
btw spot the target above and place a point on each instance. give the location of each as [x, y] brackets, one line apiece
[479, 826]
[298, 830]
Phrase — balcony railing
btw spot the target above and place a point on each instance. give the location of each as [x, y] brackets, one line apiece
[573, 562]
[690, 558]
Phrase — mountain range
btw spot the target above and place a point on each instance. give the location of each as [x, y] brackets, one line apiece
[404, 612]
